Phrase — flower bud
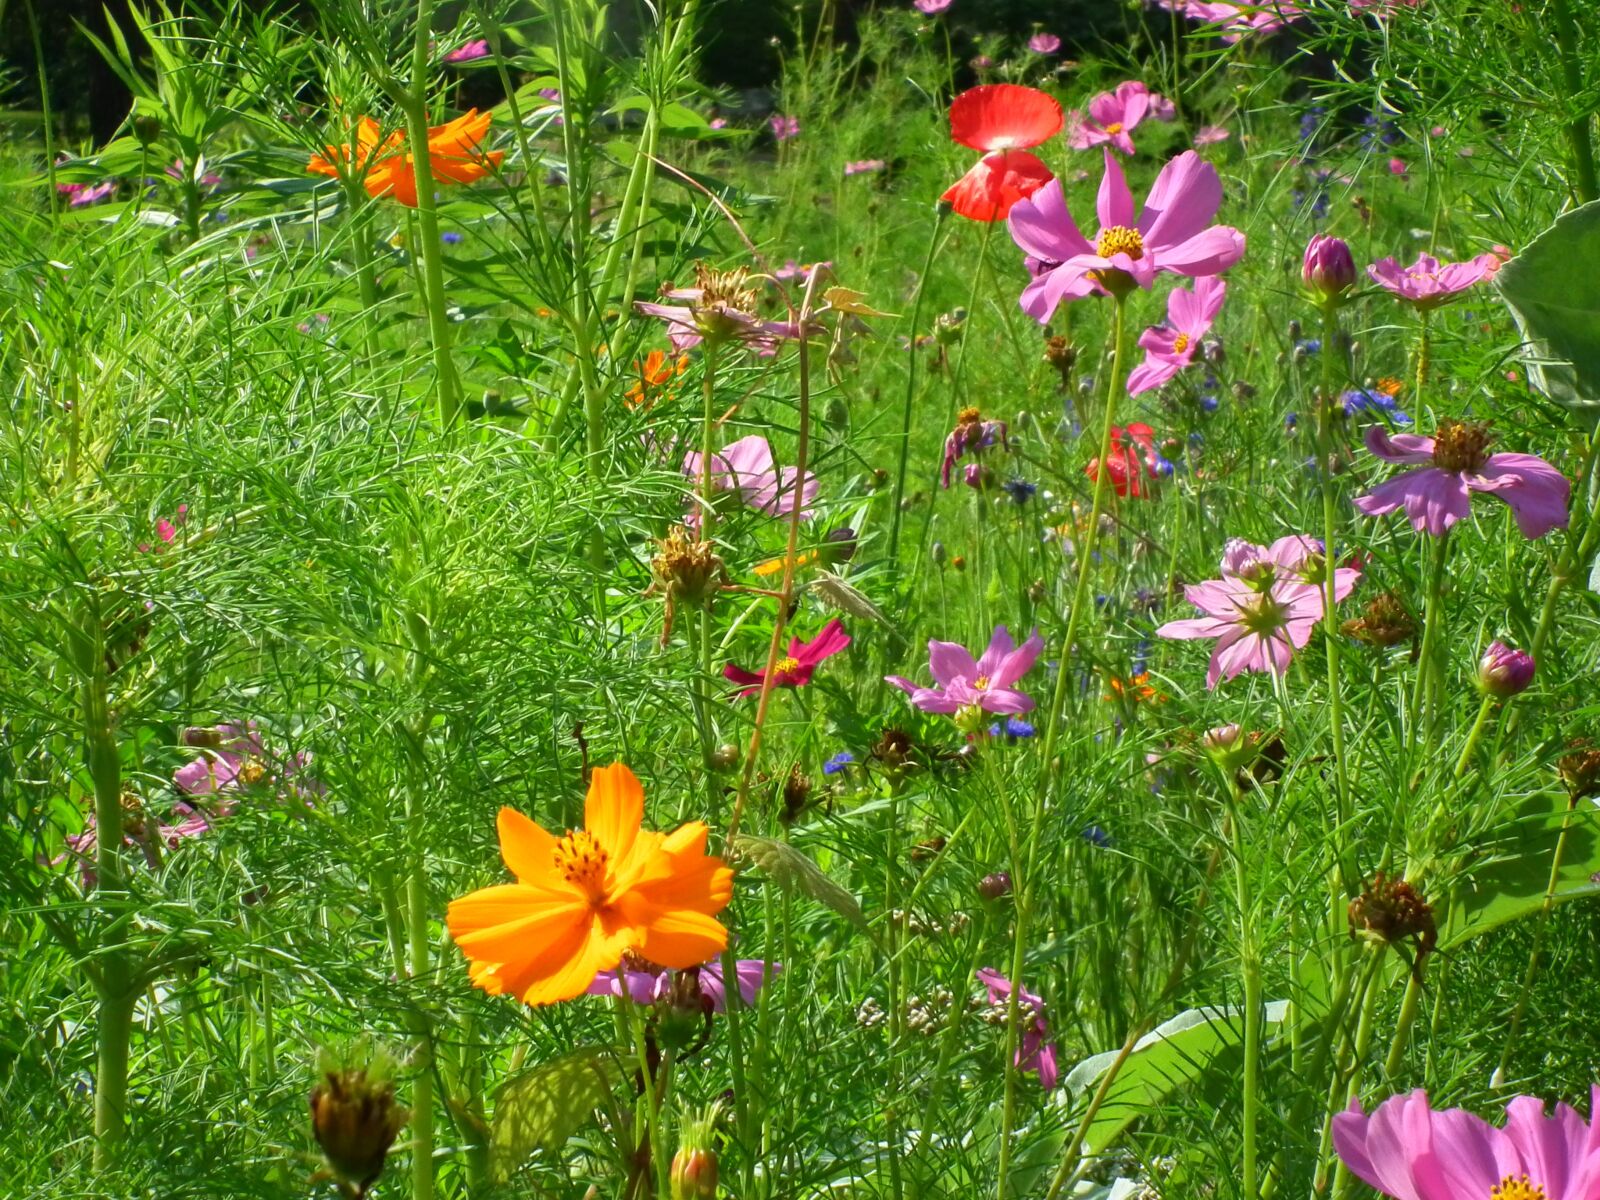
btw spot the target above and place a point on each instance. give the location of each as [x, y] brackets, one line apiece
[1504, 671]
[1328, 270]
[938, 554]
[995, 886]
[146, 128]
[725, 757]
[355, 1119]
[694, 1167]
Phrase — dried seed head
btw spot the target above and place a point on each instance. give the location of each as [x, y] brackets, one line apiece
[1384, 622]
[355, 1120]
[1390, 911]
[1580, 770]
[688, 570]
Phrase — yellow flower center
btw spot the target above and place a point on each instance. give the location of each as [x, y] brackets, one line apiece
[787, 666]
[582, 862]
[981, 683]
[1114, 127]
[1460, 447]
[1180, 343]
[1262, 615]
[1517, 1187]
[968, 416]
[1119, 239]
[251, 773]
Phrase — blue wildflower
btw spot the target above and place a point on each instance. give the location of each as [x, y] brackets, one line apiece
[450, 238]
[1020, 490]
[838, 762]
[1096, 836]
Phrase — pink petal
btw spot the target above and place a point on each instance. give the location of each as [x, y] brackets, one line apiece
[1400, 448]
[1115, 202]
[949, 662]
[1019, 662]
[1042, 226]
[1537, 493]
[1209, 252]
[1000, 645]
[1182, 202]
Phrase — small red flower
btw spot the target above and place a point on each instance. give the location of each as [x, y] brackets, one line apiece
[1133, 454]
[1001, 120]
[795, 668]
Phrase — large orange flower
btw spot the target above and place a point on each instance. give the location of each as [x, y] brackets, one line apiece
[581, 901]
[387, 169]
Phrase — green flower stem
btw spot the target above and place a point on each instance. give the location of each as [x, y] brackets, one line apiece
[1425, 683]
[1086, 552]
[358, 222]
[634, 1021]
[958, 368]
[894, 1027]
[1021, 875]
[419, 964]
[1340, 1084]
[1424, 353]
[1250, 970]
[1567, 46]
[708, 428]
[1330, 624]
[1343, 1180]
[911, 386]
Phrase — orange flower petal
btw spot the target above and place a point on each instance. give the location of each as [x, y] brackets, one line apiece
[568, 969]
[613, 810]
[682, 939]
[526, 848]
[512, 922]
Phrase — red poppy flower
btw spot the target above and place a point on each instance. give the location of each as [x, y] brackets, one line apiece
[1133, 454]
[795, 668]
[1001, 120]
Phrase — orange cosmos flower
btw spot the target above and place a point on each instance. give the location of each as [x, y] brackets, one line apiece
[655, 373]
[387, 169]
[584, 900]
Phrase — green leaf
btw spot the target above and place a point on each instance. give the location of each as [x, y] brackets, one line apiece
[794, 872]
[543, 1106]
[1509, 882]
[1553, 290]
[1173, 1054]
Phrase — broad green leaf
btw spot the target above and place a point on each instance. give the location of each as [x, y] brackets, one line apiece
[1173, 1054]
[794, 872]
[545, 1105]
[1553, 290]
[1509, 882]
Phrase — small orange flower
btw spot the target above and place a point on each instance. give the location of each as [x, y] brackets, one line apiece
[1390, 386]
[1135, 690]
[773, 565]
[655, 373]
[584, 900]
[387, 168]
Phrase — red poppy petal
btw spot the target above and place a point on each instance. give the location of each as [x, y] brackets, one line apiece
[1003, 116]
[995, 183]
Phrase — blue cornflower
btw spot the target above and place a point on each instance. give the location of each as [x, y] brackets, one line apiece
[1208, 403]
[1308, 346]
[1291, 420]
[838, 762]
[450, 238]
[1020, 490]
[1096, 836]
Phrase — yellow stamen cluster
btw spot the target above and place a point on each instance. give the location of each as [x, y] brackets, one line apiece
[1461, 447]
[1114, 127]
[981, 683]
[1180, 343]
[1517, 1187]
[787, 666]
[1119, 239]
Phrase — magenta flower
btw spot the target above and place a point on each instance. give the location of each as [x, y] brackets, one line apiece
[1044, 43]
[1504, 671]
[795, 668]
[235, 759]
[865, 166]
[1172, 234]
[1407, 1150]
[1034, 1051]
[80, 195]
[1428, 283]
[1258, 628]
[469, 51]
[972, 435]
[1210, 135]
[721, 307]
[783, 128]
[1162, 108]
[138, 832]
[166, 531]
[1112, 117]
[1458, 463]
[799, 273]
[1170, 348]
[1237, 20]
[747, 467]
[1328, 267]
[984, 685]
[179, 172]
[931, 8]
[1297, 554]
[647, 986]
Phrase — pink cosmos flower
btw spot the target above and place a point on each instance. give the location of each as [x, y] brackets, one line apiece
[179, 172]
[795, 668]
[235, 759]
[931, 8]
[151, 839]
[1407, 1150]
[783, 128]
[1172, 234]
[1170, 348]
[1296, 554]
[1210, 135]
[648, 986]
[1044, 43]
[799, 273]
[1397, 166]
[1237, 20]
[1455, 463]
[1428, 283]
[166, 531]
[469, 51]
[865, 166]
[80, 195]
[985, 685]
[719, 306]
[1034, 1052]
[1112, 117]
[1162, 108]
[1258, 628]
[747, 467]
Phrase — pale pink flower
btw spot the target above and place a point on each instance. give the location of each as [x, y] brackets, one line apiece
[747, 467]
[235, 759]
[1044, 43]
[865, 166]
[1112, 117]
[783, 128]
[1170, 348]
[1210, 135]
[1453, 465]
[1428, 283]
[1256, 628]
[1296, 555]
[984, 684]
[1034, 1051]
[931, 8]
[1162, 108]
[1409, 1151]
[1397, 166]
[1172, 234]
[1237, 20]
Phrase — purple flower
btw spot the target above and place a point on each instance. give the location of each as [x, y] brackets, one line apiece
[648, 986]
[1504, 671]
[971, 435]
[1328, 267]
[747, 467]
[1044, 43]
[468, 51]
[865, 166]
[985, 685]
[783, 128]
[1455, 463]
[1034, 1052]
[1428, 283]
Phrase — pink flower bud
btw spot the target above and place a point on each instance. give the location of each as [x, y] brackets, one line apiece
[1504, 671]
[1329, 268]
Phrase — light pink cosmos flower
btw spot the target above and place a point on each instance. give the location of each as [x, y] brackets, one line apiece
[1112, 117]
[747, 467]
[1407, 1150]
[865, 166]
[1258, 628]
[931, 8]
[646, 986]
[1170, 348]
[469, 51]
[1044, 43]
[151, 838]
[1172, 234]
[235, 759]
[80, 195]
[1210, 135]
[1162, 108]
[1454, 464]
[783, 127]
[1428, 283]
[721, 305]
[985, 684]
[1034, 1051]
[1237, 20]
[1297, 554]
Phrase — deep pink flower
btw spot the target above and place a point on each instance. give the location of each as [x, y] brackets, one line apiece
[931, 8]
[721, 306]
[469, 51]
[83, 194]
[747, 467]
[235, 759]
[1170, 348]
[1112, 117]
[1295, 555]
[1044, 43]
[138, 832]
[1407, 1150]
[985, 685]
[1209, 135]
[1428, 283]
[865, 166]
[1328, 267]
[1504, 671]
[794, 669]
[972, 435]
[1454, 464]
[1257, 628]
[1172, 234]
[1034, 1051]
[646, 987]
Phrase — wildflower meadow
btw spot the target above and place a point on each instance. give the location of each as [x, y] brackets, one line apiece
[912, 600]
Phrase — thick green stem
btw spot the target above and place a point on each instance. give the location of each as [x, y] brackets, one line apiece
[911, 386]
[1424, 684]
[418, 924]
[1250, 971]
[1021, 889]
[1583, 167]
[1331, 358]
